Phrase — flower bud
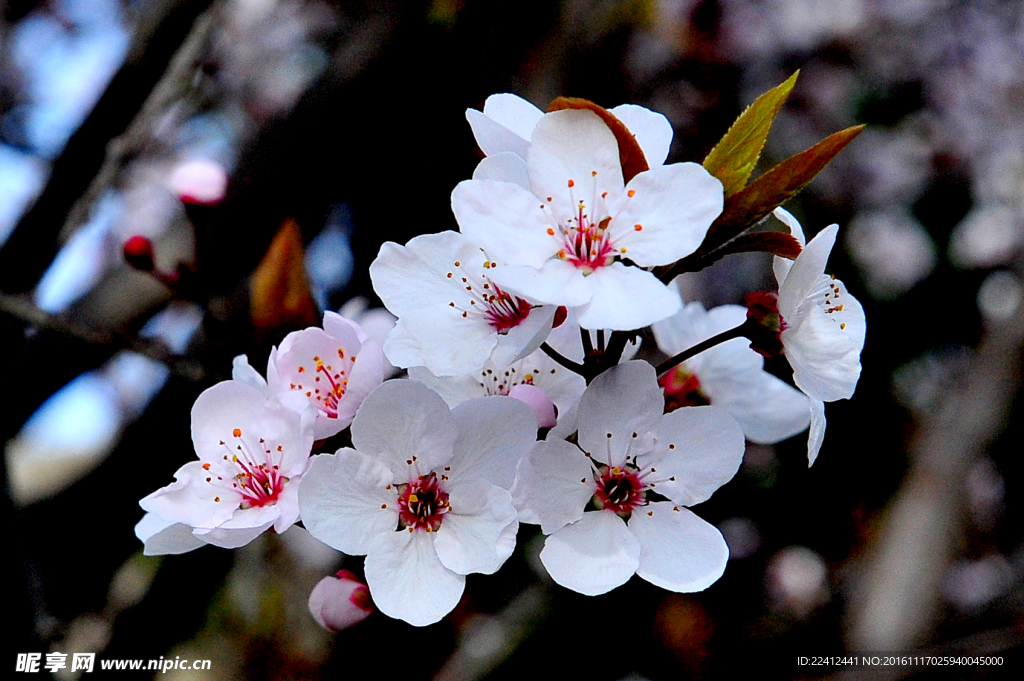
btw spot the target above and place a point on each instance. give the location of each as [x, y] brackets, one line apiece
[200, 182]
[138, 252]
[340, 601]
[764, 323]
[538, 400]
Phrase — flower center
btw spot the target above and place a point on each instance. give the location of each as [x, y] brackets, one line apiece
[619, 490]
[422, 504]
[252, 472]
[329, 382]
[584, 243]
[501, 310]
[682, 389]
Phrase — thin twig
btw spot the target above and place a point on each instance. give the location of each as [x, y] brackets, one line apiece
[736, 332]
[564, 361]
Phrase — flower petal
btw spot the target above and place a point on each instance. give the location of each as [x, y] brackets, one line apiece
[557, 282]
[407, 579]
[162, 537]
[678, 551]
[344, 500]
[625, 298]
[593, 555]
[521, 340]
[817, 434]
[652, 131]
[674, 205]
[701, 447]
[513, 112]
[503, 167]
[407, 426]
[553, 484]
[805, 273]
[573, 146]
[493, 137]
[505, 220]
[368, 373]
[191, 500]
[479, 534]
[494, 433]
[622, 401]
[243, 372]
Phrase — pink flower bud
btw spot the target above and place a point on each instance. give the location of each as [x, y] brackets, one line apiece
[340, 601]
[138, 252]
[199, 181]
[537, 400]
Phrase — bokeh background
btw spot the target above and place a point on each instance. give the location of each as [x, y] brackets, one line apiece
[345, 121]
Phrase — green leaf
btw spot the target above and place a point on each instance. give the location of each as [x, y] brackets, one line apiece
[774, 188]
[631, 156]
[734, 157]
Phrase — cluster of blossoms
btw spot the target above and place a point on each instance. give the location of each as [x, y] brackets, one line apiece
[523, 403]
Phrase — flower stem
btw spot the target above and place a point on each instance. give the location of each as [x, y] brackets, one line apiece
[565, 362]
[736, 332]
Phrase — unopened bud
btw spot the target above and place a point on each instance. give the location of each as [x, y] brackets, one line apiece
[561, 312]
[200, 182]
[138, 252]
[538, 400]
[340, 601]
[764, 323]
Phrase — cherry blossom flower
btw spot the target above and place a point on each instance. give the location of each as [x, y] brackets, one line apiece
[423, 495]
[340, 601]
[638, 470]
[823, 327]
[253, 450]
[566, 240]
[729, 375]
[321, 363]
[452, 316]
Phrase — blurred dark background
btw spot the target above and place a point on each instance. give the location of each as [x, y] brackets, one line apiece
[347, 120]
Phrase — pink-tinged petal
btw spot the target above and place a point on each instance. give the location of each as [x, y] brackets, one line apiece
[513, 112]
[505, 220]
[573, 146]
[418, 341]
[503, 167]
[678, 551]
[553, 485]
[407, 579]
[557, 282]
[479, 533]
[243, 527]
[674, 205]
[494, 433]
[406, 426]
[345, 502]
[191, 500]
[288, 505]
[698, 450]
[341, 328]
[521, 340]
[824, 346]
[625, 298]
[537, 400]
[593, 555]
[493, 137]
[621, 402]
[805, 274]
[816, 436]
[162, 537]
[652, 131]
[340, 601]
[367, 373]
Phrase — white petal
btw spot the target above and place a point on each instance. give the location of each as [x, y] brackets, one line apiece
[678, 551]
[503, 167]
[288, 505]
[824, 347]
[505, 220]
[191, 500]
[513, 112]
[577, 146]
[622, 401]
[243, 372]
[817, 433]
[593, 555]
[701, 447]
[244, 526]
[162, 537]
[805, 273]
[479, 534]
[454, 390]
[494, 433]
[557, 282]
[553, 485]
[694, 324]
[407, 426]
[652, 131]
[674, 205]
[493, 137]
[625, 298]
[521, 340]
[786, 218]
[418, 340]
[408, 581]
[341, 500]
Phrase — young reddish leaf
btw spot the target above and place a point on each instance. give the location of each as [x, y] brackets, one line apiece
[631, 156]
[279, 292]
[776, 243]
[734, 157]
[774, 188]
